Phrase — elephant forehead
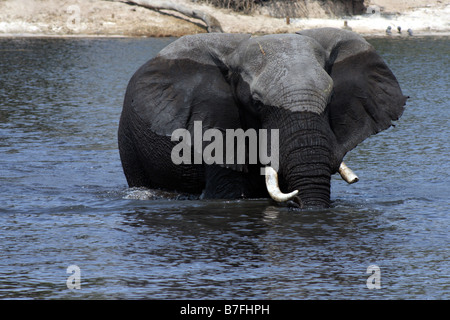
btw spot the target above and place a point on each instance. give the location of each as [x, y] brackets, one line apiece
[282, 60]
[287, 71]
[287, 50]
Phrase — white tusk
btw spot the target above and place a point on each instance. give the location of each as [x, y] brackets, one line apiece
[347, 174]
[274, 189]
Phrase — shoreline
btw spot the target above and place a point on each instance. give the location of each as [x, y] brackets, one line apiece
[120, 36]
[105, 19]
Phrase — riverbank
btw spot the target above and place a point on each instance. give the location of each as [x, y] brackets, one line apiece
[105, 18]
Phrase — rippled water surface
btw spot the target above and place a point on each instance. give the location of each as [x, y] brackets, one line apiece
[64, 199]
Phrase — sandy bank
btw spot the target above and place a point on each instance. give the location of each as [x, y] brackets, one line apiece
[106, 18]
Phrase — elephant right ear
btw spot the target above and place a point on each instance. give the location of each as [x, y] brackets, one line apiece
[366, 95]
[187, 82]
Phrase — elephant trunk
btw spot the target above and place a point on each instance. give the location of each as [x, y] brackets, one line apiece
[313, 182]
[305, 156]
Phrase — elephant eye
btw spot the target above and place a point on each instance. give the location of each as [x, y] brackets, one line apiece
[257, 106]
[256, 97]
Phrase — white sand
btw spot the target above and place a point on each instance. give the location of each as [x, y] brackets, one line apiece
[424, 17]
[423, 21]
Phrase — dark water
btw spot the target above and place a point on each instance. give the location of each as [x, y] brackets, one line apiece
[64, 200]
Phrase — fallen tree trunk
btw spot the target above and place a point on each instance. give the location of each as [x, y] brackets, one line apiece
[212, 24]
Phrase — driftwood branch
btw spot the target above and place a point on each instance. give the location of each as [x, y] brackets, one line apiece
[212, 24]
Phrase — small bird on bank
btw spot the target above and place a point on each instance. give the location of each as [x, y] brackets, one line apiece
[399, 29]
[346, 26]
[410, 32]
[388, 30]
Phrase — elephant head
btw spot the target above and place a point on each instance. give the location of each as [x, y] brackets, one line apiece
[325, 90]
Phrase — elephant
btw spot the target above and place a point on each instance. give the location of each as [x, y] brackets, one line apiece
[322, 90]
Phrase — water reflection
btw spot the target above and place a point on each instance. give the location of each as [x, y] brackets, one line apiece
[216, 244]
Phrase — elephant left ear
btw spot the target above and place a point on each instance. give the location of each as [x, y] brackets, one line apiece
[366, 95]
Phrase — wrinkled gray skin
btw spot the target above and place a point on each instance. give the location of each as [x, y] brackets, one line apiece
[326, 90]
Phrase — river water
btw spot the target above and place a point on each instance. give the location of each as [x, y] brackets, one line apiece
[64, 199]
